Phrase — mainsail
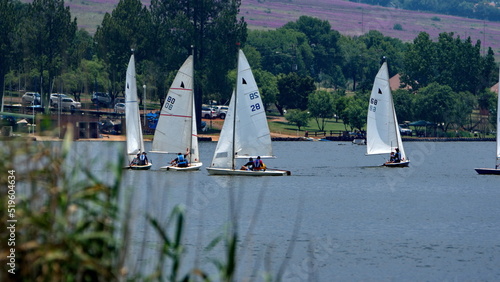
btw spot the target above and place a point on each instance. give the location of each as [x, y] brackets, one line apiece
[135, 142]
[176, 129]
[245, 132]
[382, 132]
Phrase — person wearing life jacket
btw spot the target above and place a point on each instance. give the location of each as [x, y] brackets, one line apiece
[258, 164]
[180, 161]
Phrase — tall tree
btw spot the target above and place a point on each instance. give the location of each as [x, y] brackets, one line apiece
[8, 19]
[126, 28]
[48, 34]
[327, 55]
[212, 27]
[321, 106]
[419, 61]
[294, 91]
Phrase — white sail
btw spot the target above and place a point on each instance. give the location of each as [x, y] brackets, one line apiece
[498, 119]
[382, 134]
[194, 152]
[223, 156]
[176, 128]
[245, 125]
[135, 142]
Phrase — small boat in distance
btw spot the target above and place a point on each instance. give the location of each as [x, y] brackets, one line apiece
[382, 133]
[176, 130]
[245, 132]
[135, 141]
[495, 170]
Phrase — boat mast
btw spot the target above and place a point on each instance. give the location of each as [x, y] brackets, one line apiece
[235, 106]
[192, 107]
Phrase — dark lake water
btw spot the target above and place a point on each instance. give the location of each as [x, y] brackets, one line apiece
[338, 217]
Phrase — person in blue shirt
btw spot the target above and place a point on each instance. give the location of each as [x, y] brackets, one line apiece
[180, 161]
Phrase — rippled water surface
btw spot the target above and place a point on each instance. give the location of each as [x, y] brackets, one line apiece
[338, 217]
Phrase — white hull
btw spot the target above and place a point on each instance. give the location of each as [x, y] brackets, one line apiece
[191, 167]
[228, 171]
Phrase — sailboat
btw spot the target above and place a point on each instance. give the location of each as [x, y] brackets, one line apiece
[245, 132]
[135, 142]
[495, 170]
[382, 134]
[176, 130]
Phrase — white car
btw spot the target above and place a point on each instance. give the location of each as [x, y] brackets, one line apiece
[207, 112]
[221, 111]
[120, 108]
[67, 104]
[54, 98]
[31, 98]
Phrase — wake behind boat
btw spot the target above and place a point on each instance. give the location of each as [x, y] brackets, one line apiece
[176, 130]
[495, 170]
[382, 133]
[245, 132]
[135, 141]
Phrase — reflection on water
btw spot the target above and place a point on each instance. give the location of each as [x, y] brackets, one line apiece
[339, 216]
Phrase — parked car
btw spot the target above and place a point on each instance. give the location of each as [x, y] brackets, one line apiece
[100, 98]
[119, 100]
[207, 112]
[405, 130]
[68, 104]
[221, 111]
[54, 98]
[31, 98]
[119, 107]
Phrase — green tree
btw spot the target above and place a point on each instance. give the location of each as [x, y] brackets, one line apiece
[283, 50]
[356, 113]
[461, 113]
[325, 48]
[435, 103]
[321, 107]
[9, 18]
[404, 104]
[126, 28]
[48, 34]
[268, 86]
[214, 30]
[298, 117]
[294, 91]
[419, 61]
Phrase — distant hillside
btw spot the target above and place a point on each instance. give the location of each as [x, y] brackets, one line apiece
[347, 17]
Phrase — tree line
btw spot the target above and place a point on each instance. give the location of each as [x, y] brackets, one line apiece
[298, 66]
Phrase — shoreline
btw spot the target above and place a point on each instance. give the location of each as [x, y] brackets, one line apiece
[274, 137]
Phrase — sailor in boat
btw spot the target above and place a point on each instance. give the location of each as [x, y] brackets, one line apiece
[135, 161]
[180, 161]
[258, 164]
[143, 159]
[249, 165]
[395, 156]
